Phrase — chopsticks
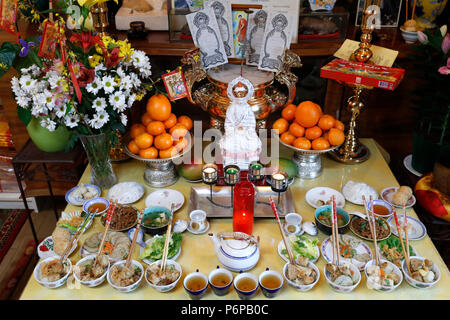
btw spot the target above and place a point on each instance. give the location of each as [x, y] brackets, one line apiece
[133, 242]
[109, 215]
[405, 255]
[405, 230]
[286, 244]
[77, 234]
[335, 233]
[373, 228]
[162, 266]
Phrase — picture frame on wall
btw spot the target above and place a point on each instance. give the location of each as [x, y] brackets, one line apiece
[389, 9]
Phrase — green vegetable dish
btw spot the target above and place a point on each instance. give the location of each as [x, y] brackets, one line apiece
[155, 220]
[302, 246]
[391, 249]
[154, 250]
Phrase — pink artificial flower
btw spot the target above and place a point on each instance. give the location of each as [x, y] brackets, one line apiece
[446, 43]
[445, 70]
[58, 66]
[423, 38]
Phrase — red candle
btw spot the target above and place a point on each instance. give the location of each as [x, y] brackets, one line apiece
[243, 207]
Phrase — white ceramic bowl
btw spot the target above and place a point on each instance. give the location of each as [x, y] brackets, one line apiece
[419, 284]
[300, 287]
[131, 287]
[51, 284]
[343, 289]
[94, 282]
[408, 36]
[168, 287]
[383, 288]
[90, 202]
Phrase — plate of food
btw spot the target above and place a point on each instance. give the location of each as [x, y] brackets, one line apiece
[56, 244]
[301, 246]
[126, 192]
[72, 221]
[352, 250]
[155, 247]
[354, 191]
[78, 195]
[320, 196]
[391, 250]
[361, 228]
[399, 196]
[165, 198]
[124, 218]
[416, 229]
[116, 246]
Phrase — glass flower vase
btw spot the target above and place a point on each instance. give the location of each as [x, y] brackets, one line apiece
[98, 148]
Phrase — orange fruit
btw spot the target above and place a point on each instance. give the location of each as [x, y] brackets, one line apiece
[159, 107]
[296, 130]
[336, 136]
[326, 122]
[281, 125]
[171, 121]
[185, 121]
[320, 144]
[307, 114]
[319, 109]
[167, 153]
[178, 131]
[302, 143]
[313, 133]
[155, 128]
[133, 147]
[146, 119]
[163, 141]
[144, 140]
[339, 125]
[287, 137]
[325, 135]
[149, 153]
[180, 144]
[136, 129]
[288, 112]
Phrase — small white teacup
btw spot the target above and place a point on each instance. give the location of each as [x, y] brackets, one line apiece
[198, 220]
[293, 223]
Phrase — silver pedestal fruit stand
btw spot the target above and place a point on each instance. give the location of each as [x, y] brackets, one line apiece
[308, 162]
[158, 173]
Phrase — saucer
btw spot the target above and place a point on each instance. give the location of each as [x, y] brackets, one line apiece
[206, 228]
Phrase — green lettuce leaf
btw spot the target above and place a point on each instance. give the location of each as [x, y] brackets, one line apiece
[155, 250]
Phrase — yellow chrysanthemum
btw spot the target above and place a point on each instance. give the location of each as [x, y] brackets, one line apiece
[140, 96]
[95, 60]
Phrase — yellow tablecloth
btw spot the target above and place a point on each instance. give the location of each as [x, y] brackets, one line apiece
[198, 251]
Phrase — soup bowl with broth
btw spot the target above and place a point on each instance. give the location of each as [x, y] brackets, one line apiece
[270, 282]
[100, 205]
[246, 285]
[220, 280]
[195, 284]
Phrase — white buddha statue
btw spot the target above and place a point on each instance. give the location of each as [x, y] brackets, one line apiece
[240, 145]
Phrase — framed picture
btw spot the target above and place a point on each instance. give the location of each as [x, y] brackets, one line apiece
[389, 9]
[175, 84]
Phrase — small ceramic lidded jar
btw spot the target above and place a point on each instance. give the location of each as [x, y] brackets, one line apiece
[243, 207]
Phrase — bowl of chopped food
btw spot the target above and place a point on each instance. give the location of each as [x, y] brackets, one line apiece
[155, 220]
[166, 281]
[424, 273]
[343, 278]
[90, 271]
[125, 279]
[385, 277]
[52, 273]
[323, 219]
[124, 218]
[361, 228]
[303, 280]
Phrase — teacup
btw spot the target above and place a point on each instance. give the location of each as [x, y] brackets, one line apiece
[246, 285]
[220, 280]
[195, 284]
[292, 223]
[270, 282]
[198, 220]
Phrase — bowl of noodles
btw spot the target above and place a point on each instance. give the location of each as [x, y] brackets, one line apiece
[125, 279]
[52, 273]
[89, 273]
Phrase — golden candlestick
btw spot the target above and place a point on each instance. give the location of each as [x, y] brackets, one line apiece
[100, 17]
[363, 53]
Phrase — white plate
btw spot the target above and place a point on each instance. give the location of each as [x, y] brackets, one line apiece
[45, 249]
[374, 194]
[417, 232]
[206, 228]
[165, 198]
[296, 254]
[407, 162]
[387, 194]
[78, 201]
[327, 252]
[324, 194]
[150, 261]
[180, 225]
[126, 192]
